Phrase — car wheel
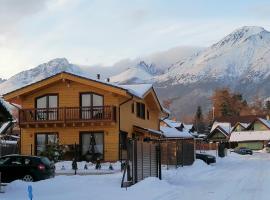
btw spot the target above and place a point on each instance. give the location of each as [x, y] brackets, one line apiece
[28, 178]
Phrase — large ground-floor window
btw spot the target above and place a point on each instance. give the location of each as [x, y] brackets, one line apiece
[92, 145]
[44, 141]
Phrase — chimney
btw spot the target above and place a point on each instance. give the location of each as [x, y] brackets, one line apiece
[108, 79]
[98, 76]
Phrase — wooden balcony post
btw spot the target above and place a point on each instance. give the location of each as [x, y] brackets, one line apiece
[65, 115]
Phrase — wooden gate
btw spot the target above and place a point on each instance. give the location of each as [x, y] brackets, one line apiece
[177, 152]
[143, 161]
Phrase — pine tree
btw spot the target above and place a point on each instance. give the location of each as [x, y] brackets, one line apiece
[199, 121]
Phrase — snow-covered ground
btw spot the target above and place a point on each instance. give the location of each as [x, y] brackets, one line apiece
[234, 177]
[65, 167]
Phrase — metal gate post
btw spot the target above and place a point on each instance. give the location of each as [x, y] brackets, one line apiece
[158, 163]
[135, 180]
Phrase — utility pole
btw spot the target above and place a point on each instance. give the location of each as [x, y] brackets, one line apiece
[213, 113]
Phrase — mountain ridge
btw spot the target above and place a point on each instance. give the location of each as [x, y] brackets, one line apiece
[240, 61]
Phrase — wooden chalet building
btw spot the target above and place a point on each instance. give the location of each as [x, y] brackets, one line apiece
[220, 132]
[255, 136]
[68, 109]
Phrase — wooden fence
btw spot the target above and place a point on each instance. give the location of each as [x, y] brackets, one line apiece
[177, 152]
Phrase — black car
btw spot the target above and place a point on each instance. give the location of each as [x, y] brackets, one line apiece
[206, 158]
[26, 168]
[243, 151]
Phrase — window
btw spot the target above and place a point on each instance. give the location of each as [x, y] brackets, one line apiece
[148, 115]
[91, 105]
[140, 110]
[132, 108]
[4, 160]
[15, 161]
[92, 145]
[44, 140]
[47, 107]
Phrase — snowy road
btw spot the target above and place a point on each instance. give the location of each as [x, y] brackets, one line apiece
[234, 177]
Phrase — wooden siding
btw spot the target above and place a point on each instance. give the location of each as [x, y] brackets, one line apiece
[128, 119]
[68, 89]
[72, 136]
[258, 126]
[69, 96]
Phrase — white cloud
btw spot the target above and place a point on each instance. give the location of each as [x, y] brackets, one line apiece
[96, 31]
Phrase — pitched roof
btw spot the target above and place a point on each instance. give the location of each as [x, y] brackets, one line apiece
[171, 123]
[171, 132]
[263, 121]
[250, 136]
[224, 126]
[242, 119]
[137, 90]
[244, 125]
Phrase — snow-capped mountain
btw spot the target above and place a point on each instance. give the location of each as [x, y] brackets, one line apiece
[140, 73]
[40, 72]
[245, 53]
[240, 61]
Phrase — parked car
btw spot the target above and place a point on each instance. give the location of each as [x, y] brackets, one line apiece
[206, 158]
[26, 168]
[243, 151]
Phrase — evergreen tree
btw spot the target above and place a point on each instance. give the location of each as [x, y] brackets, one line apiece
[199, 121]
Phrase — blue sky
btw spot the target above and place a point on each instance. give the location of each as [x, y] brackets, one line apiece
[102, 32]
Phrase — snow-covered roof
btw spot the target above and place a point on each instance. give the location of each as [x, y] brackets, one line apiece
[173, 132]
[172, 123]
[188, 126]
[224, 125]
[4, 126]
[265, 122]
[166, 110]
[138, 90]
[154, 131]
[6, 105]
[245, 125]
[3, 142]
[249, 136]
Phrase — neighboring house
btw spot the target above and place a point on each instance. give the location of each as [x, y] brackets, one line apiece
[178, 145]
[255, 136]
[245, 119]
[220, 132]
[68, 109]
[240, 126]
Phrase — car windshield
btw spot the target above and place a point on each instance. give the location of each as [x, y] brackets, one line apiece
[3, 160]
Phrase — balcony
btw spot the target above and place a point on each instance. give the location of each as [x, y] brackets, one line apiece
[68, 116]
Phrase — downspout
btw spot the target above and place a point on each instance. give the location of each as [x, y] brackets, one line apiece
[119, 121]
[168, 115]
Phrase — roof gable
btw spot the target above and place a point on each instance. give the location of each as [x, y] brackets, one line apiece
[265, 122]
[218, 129]
[141, 91]
[64, 76]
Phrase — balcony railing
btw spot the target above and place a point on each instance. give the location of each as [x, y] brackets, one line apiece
[68, 114]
